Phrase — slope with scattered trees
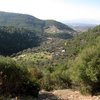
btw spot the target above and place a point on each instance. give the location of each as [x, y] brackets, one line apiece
[55, 64]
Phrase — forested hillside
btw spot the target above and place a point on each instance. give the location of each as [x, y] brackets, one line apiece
[21, 31]
[13, 40]
[33, 23]
[20, 21]
[39, 61]
[70, 63]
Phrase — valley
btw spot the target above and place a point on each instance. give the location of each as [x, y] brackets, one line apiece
[47, 55]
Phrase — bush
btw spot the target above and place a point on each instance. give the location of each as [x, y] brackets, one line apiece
[55, 78]
[86, 70]
[15, 79]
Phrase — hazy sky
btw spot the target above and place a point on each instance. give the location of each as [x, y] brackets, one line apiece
[61, 10]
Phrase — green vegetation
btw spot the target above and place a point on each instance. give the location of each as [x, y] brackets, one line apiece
[13, 40]
[20, 21]
[86, 68]
[20, 31]
[16, 79]
[32, 23]
[48, 63]
[61, 26]
[70, 63]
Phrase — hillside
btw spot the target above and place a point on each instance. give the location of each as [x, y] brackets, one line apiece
[33, 23]
[54, 65]
[21, 21]
[21, 31]
[48, 61]
[60, 50]
[13, 40]
[52, 26]
[58, 58]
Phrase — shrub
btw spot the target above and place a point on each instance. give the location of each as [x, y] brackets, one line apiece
[55, 78]
[86, 70]
[16, 79]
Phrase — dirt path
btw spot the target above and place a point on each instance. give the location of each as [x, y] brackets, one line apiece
[65, 95]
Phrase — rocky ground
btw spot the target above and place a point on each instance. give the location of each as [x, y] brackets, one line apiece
[65, 95]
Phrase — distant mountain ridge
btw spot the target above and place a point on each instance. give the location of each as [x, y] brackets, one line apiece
[22, 31]
[81, 27]
[33, 23]
[20, 21]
